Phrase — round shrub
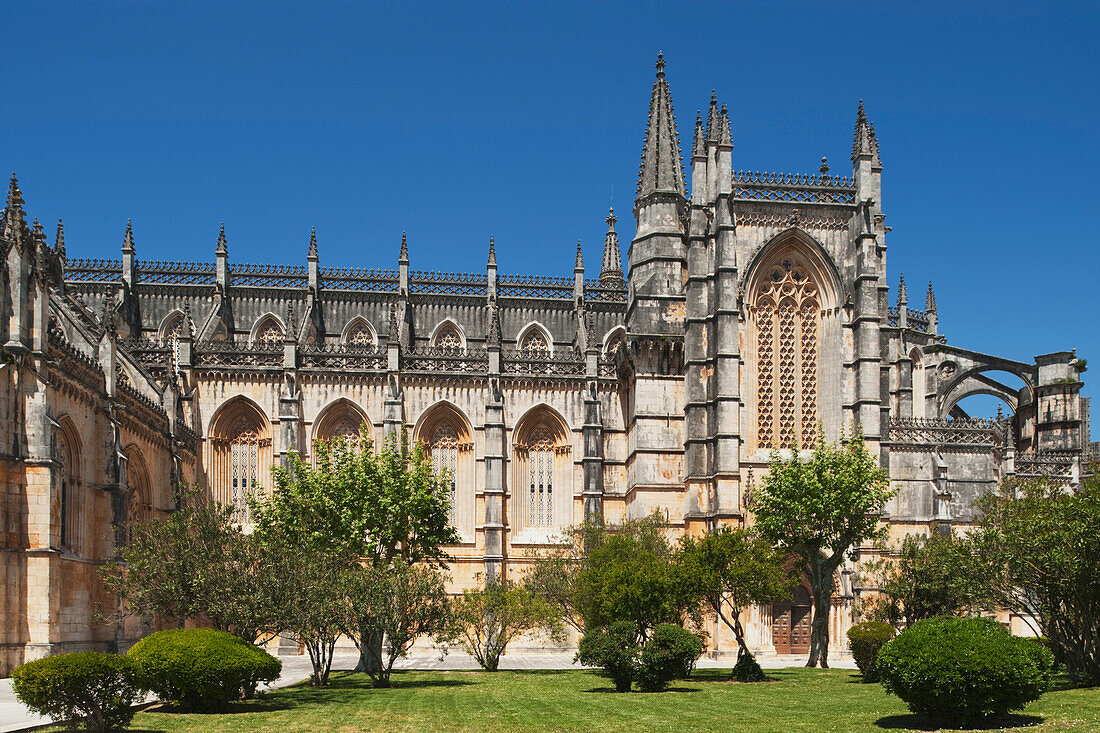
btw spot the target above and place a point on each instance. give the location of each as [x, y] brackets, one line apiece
[614, 649]
[865, 639]
[668, 655]
[747, 669]
[963, 670]
[93, 690]
[201, 669]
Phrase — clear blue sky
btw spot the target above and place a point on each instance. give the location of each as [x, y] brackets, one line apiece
[520, 120]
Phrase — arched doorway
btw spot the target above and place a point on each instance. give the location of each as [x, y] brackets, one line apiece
[791, 623]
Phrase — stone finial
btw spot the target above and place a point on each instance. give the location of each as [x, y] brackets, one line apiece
[712, 117]
[903, 295]
[221, 249]
[578, 263]
[824, 169]
[492, 335]
[13, 210]
[312, 253]
[725, 135]
[930, 299]
[661, 168]
[864, 142]
[403, 255]
[611, 270]
[128, 238]
[699, 144]
[492, 252]
[59, 241]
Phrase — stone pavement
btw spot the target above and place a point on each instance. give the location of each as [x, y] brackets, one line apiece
[14, 717]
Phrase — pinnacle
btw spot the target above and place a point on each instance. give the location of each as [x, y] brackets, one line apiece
[699, 145]
[864, 142]
[221, 248]
[492, 252]
[403, 256]
[661, 168]
[312, 254]
[660, 69]
[611, 269]
[712, 117]
[725, 137]
[59, 242]
[128, 238]
[903, 295]
[930, 299]
[578, 264]
[15, 196]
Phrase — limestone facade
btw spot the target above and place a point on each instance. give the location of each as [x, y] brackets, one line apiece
[753, 310]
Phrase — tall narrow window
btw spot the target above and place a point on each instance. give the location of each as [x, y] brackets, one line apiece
[68, 456]
[244, 467]
[445, 463]
[542, 476]
[540, 511]
[240, 456]
[787, 321]
[140, 507]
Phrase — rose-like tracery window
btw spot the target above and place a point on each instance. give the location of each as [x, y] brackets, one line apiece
[448, 338]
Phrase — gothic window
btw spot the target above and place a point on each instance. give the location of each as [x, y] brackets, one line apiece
[140, 506]
[541, 498]
[448, 337]
[68, 456]
[445, 463]
[359, 336]
[343, 419]
[788, 314]
[268, 333]
[534, 342]
[172, 329]
[242, 457]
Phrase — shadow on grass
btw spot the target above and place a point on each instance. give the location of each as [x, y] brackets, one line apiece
[920, 722]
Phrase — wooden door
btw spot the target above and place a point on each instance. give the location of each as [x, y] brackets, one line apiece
[791, 623]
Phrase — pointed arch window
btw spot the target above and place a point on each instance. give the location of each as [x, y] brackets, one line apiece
[445, 463]
[140, 505]
[446, 436]
[359, 336]
[448, 337]
[241, 457]
[268, 333]
[71, 515]
[534, 343]
[542, 497]
[788, 315]
[540, 488]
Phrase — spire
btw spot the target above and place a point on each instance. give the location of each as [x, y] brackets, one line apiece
[612, 268]
[128, 238]
[13, 212]
[492, 252]
[712, 117]
[865, 143]
[661, 168]
[699, 145]
[578, 263]
[725, 137]
[930, 299]
[59, 242]
[903, 295]
[312, 253]
[221, 248]
[403, 255]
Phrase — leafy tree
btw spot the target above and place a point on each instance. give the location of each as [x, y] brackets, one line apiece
[378, 507]
[937, 575]
[485, 620]
[730, 569]
[1040, 544]
[818, 510]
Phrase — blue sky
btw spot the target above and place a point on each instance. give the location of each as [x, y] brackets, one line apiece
[525, 120]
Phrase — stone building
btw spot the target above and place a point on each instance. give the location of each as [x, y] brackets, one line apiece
[753, 309]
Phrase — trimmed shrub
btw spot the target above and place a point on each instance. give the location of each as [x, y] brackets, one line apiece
[963, 670]
[201, 669]
[865, 640]
[668, 655]
[92, 690]
[747, 669]
[614, 649]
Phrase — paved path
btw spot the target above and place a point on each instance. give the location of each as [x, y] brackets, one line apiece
[15, 717]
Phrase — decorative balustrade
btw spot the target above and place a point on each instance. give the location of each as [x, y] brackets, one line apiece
[447, 283]
[527, 362]
[936, 431]
[820, 189]
[1049, 463]
[533, 286]
[596, 292]
[155, 272]
[268, 276]
[454, 361]
[914, 319]
[354, 278]
[81, 270]
[214, 355]
[343, 358]
[607, 369]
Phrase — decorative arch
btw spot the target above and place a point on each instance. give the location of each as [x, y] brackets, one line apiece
[341, 419]
[447, 436]
[542, 480]
[67, 452]
[957, 384]
[791, 287]
[240, 454]
[612, 339]
[535, 339]
[359, 333]
[449, 335]
[171, 326]
[139, 505]
[267, 330]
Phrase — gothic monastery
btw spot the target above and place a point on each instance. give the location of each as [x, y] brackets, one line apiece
[753, 308]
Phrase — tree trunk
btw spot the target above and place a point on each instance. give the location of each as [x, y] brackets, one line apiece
[822, 574]
[370, 652]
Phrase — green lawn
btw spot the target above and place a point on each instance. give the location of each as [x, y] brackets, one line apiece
[799, 700]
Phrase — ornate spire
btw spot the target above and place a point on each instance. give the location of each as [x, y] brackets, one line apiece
[59, 241]
[699, 144]
[221, 248]
[128, 238]
[865, 143]
[312, 253]
[13, 212]
[903, 295]
[492, 252]
[612, 268]
[578, 263]
[930, 299]
[661, 168]
[725, 136]
[403, 255]
[712, 117]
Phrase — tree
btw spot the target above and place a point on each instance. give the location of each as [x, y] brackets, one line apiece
[729, 569]
[376, 507]
[937, 575]
[818, 510]
[487, 619]
[1040, 544]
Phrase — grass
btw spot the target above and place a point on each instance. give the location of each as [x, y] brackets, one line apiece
[554, 702]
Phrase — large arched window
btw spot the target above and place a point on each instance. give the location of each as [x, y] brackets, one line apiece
[139, 507]
[70, 514]
[342, 419]
[787, 313]
[241, 460]
[445, 433]
[542, 487]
